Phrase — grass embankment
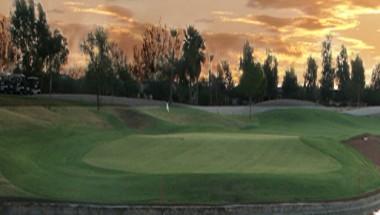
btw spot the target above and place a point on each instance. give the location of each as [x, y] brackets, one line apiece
[146, 155]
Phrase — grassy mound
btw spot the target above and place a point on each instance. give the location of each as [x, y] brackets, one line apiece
[146, 155]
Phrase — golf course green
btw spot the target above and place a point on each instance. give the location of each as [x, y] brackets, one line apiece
[144, 155]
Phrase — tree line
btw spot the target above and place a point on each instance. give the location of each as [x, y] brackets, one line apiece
[167, 65]
[37, 49]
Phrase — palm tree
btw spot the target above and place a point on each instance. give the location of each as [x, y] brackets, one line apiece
[193, 56]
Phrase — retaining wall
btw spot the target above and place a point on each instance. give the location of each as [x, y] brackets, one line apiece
[365, 205]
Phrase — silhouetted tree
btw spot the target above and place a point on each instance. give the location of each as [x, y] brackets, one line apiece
[158, 57]
[123, 84]
[271, 75]
[375, 79]
[99, 70]
[56, 55]
[148, 56]
[4, 43]
[218, 84]
[310, 79]
[372, 94]
[173, 61]
[252, 81]
[228, 79]
[290, 84]
[327, 80]
[358, 78]
[343, 75]
[7, 52]
[193, 58]
[210, 77]
[29, 35]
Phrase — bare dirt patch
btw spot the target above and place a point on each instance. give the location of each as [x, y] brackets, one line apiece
[134, 119]
[287, 102]
[368, 145]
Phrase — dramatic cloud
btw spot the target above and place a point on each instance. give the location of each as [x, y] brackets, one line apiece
[227, 42]
[118, 12]
[314, 7]
[73, 3]
[332, 15]
[75, 34]
[229, 46]
[292, 29]
[126, 37]
[310, 23]
[57, 11]
[205, 20]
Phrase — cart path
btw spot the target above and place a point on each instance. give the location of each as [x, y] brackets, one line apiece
[229, 110]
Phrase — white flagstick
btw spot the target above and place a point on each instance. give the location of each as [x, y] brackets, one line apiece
[167, 107]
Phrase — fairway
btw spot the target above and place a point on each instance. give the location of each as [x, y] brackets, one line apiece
[123, 155]
[211, 153]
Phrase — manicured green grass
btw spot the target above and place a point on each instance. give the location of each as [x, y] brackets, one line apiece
[146, 155]
[209, 153]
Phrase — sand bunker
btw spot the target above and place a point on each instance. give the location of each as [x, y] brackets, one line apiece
[368, 145]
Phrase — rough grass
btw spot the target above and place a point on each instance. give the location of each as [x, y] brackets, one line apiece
[11, 101]
[185, 156]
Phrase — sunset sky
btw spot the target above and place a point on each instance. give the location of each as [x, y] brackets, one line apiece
[292, 29]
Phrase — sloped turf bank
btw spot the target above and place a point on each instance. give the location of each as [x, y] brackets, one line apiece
[52, 155]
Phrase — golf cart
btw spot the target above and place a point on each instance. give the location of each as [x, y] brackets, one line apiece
[32, 86]
[3, 84]
[16, 84]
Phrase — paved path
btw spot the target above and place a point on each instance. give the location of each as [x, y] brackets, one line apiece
[365, 111]
[244, 110]
[230, 110]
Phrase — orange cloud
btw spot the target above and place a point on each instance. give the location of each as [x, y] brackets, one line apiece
[310, 23]
[230, 42]
[126, 36]
[118, 12]
[292, 29]
[313, 7]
